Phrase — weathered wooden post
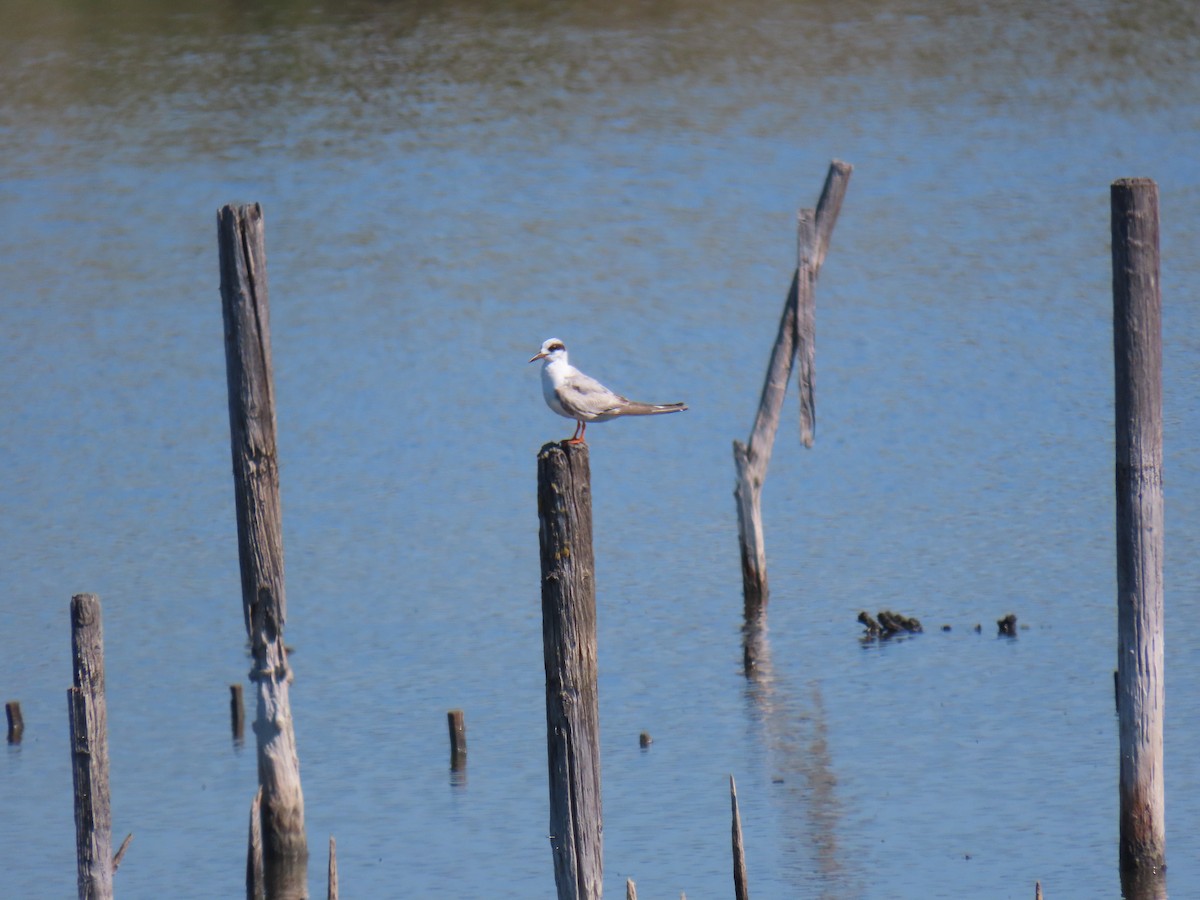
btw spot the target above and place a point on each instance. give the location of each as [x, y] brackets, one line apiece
[457, 723]
[1137, 346]
[741, 889]
[331, 884]
[255, 887]
[89, 751]
[569, 641]
[796, 335]
[246, 313]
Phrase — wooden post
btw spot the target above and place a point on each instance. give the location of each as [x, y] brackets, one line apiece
[569, 640]
[237, 713]
[89, 751]
[246, 312]
[813, 235]
[255, 886]
[458, 739]
[16, 722]
[1137, 345]
[796, 335]
[740, 889]
[332, 890]
[630, 889]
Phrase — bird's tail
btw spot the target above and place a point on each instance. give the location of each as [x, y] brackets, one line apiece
[651, 409]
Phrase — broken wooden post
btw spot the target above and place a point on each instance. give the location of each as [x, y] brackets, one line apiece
[569, 641]
[796, 335]
[16, 722]
[246, 312]
[740, 889]
[89, 751]
[458, 739]
[237, 713]
[120, 854]
[1137, 348]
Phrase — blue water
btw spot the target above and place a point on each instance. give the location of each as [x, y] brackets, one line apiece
[445, 186]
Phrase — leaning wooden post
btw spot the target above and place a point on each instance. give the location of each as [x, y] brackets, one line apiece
[1137, 345]
[569, 640]
[89, 751]
[796, 335]
[260, 541]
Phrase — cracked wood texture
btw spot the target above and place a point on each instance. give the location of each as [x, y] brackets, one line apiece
[569, 640]
[1137, 354]
[246, 311]
[796, 338]
[89, 751]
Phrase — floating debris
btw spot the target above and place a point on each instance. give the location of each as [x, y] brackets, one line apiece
[888, 624]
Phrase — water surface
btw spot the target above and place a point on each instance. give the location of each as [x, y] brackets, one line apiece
[447, 185]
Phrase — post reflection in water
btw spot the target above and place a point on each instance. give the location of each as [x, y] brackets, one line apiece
[796, 737]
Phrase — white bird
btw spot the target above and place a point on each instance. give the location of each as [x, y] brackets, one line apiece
[574, 395]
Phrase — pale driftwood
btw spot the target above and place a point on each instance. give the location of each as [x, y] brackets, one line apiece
[569, 641]
[332, 892]
[805, 339]
[740, 889]
[255, 882]
[814, 233]
[1137, 350]
[89, 751]
[796, 336]
[246, 311]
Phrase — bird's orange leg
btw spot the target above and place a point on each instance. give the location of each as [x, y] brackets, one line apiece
[577, 437]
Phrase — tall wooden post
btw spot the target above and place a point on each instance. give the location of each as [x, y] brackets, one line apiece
[1137, 345]
[89, 751]
[260, 541]
[569, 640]
[796, 336]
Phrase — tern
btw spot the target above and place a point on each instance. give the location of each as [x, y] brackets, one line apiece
[574, 395]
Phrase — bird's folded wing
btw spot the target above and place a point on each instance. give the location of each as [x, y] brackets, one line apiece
[586, 396]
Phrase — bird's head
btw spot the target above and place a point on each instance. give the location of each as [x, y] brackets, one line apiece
[553, 349]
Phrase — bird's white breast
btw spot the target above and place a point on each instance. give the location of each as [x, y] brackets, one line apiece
[554, 372]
